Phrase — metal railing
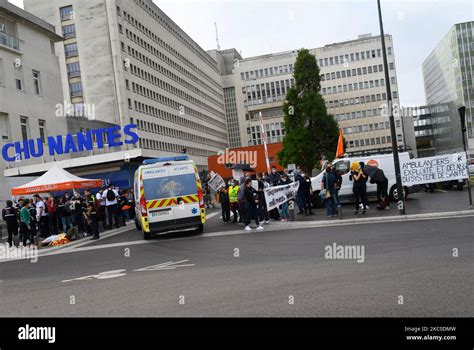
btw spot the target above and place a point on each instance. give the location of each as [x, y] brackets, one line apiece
[9, 41]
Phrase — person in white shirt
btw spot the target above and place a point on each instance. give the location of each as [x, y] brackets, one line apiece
[111, 196]
[41, 216]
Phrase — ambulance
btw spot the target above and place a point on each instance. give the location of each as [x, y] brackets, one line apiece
[169, 196]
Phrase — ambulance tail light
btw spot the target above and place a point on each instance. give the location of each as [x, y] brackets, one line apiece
[143, 206]
[201, 198]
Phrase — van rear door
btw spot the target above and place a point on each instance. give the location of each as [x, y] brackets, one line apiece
[159, 201]
[186, 192]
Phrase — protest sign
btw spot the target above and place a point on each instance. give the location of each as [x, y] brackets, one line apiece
[216, 182]
[276, 196]
[434, 169]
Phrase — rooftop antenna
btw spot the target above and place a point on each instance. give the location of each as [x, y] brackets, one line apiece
[217, 37]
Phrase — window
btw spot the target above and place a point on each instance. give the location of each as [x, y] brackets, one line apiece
[69, 31]
[37, 82]
[42, 130]
[70, 50]
[24, 128]
[19, 84]
[76, 89]
[66, 13]
[73, 69]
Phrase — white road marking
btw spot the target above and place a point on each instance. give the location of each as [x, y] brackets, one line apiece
[210, 216]
[101, 276]
[165, 266]
[273, 228]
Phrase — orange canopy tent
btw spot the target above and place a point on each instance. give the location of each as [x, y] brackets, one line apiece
[56, 179]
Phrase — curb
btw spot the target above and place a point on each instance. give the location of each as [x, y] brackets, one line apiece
[372, 220]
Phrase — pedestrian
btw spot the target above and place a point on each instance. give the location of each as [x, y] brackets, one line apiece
[381, 181]
[284, 213]
[64, 214]
[42, 216]
[337, 187]
[77, 216]
[25, 223]
[10, 216]
[111, 205]
[251, 202]
[328, 188]
[101, 208]
[124, 207]
[241, 199]
[233, 199]
[274, 177]
[90, 208]
[208, 197]
[34, 223]
[305, 190]
[225, 204]
[52, 205]
[262, 203]
[359, 187]
[131, 202]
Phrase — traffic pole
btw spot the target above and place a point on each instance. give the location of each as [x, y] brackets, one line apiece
[393, 131]
[462, 115]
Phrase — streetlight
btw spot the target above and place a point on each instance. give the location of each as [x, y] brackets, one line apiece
[396, 158]
[462, 115]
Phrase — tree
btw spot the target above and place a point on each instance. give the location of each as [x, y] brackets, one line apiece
[311, 133]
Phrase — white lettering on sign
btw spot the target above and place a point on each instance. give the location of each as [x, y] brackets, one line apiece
[434, 169]
[276, 196]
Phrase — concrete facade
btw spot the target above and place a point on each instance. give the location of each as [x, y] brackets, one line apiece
[30, 85]
[132, 64]
[352, 84]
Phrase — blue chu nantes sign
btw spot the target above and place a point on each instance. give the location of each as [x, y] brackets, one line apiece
[70, 143]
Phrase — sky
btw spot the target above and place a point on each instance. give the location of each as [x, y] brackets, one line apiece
[257, 27]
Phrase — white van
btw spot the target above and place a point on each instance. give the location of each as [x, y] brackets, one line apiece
[168, 196]
[383, 161]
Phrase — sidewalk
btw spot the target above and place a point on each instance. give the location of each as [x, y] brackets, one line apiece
[79, 242]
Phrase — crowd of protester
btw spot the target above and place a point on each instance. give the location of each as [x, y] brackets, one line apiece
[86, 213]
[248, 204]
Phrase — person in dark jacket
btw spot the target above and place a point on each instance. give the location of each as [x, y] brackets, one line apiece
[90, 211]
[359, 188]
[10, 216]
[262, 203]
[381, 181]
[305, 191]
[337, 186]
[328, 183]
[251, 203]
[274, 177]
[225, 204]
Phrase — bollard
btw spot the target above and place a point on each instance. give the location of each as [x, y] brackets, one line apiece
[339, 210]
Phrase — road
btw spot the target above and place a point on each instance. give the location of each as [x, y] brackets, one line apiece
[408, 269]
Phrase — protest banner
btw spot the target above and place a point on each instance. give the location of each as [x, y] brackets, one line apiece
[434, 169]
[276, 196]
[216, 182]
